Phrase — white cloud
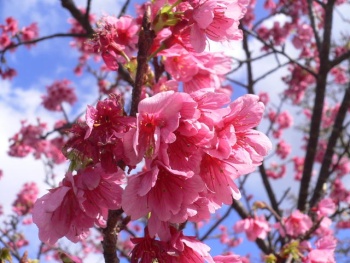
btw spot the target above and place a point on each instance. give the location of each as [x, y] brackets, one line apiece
[17, 104]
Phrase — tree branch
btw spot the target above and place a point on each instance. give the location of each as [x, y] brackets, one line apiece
[339, 59]
[78, 15]
[216, 224]
[269, 190]
[146, 38]
[249, 65]
[109, 242]
[327, 159]
[313, 25]
[125, 6]
[318, 107]
[272, 47]
[33, 41]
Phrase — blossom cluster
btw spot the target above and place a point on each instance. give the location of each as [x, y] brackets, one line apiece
[192, 144]
[11, 34]
[176, 158]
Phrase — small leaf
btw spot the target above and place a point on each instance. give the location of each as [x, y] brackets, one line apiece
[5, 255]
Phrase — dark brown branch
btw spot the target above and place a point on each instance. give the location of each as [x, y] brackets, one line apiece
[124, 73]
[272, 47]
[88, 8]
[320, 90]
[217, 223]
[41, 39]
[250, 88]
[327, 159]
[249, 64]
[146, 38]
[270, 193]
[339, 59]
[313, 24]
[123, 10]
[78, 15]
[110, 233]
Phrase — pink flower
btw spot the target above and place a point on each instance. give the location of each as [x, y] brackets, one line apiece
[30, 140]
[25, 199]
[11, 26]
[283, 149]
[148, 249]
[77, 204]
[284, 120]
[326, 207]
[269, 4]
[98, 191]
[264, 97]
[228, 259]
[30, 32]
[303, 36]
[58, 214]
[211, 105]
[100, 140]
[251, 145]
[157, 119]
[161, 191]
[116, 39]
[218, 176]
[320, 256]
[4, 41]
[217, 20]
[296, 224]
[254, 228]
[190, 250]
[57, 93]
[324, 252]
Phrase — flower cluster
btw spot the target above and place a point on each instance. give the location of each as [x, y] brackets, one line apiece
[57, 93]
[31, 139]
[192, 144]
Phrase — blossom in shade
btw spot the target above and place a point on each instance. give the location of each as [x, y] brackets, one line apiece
[100, 138]
[189, 249]
[149, 249]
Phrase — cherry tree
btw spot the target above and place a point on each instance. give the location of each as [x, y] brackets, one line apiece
[167, 163]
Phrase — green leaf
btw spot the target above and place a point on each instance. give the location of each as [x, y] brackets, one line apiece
[5, 255]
